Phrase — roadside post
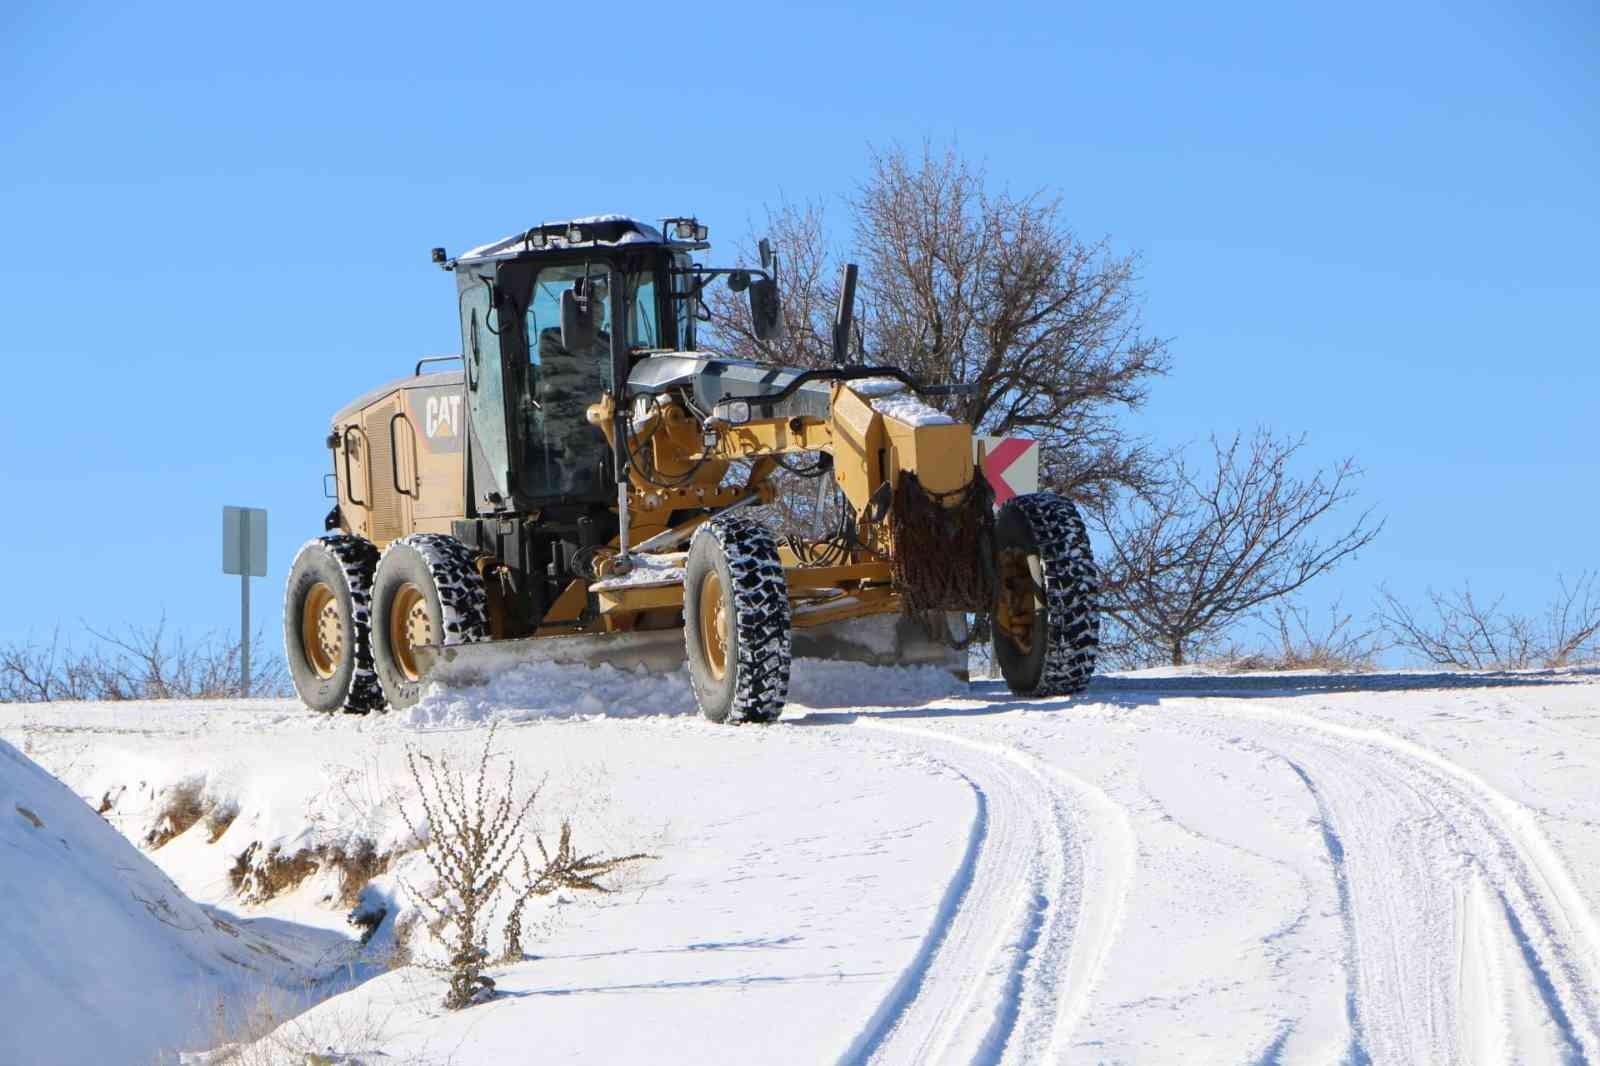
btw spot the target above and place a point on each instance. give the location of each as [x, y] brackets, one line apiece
[244, 552]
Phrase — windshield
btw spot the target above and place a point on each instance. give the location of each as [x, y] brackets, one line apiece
[564, 452]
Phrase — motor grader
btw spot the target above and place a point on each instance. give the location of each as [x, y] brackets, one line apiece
[585, 488]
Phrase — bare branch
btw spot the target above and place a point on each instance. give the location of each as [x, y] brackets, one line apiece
[1462, 632]
[1217, 544]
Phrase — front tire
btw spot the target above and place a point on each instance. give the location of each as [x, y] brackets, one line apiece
[737, 623]
[426, 590]
[326, 624]
[1046, 620]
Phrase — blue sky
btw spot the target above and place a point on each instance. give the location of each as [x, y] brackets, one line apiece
[1375, 223]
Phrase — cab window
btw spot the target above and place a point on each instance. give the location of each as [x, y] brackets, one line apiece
[563, 452]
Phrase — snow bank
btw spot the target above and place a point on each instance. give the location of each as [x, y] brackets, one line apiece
[561, 690]
[106, 960]
[554, 690]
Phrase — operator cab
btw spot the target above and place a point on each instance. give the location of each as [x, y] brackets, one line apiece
[553, 318]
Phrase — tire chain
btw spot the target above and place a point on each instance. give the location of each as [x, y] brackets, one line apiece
[462, 601]
[1071, 586]
[762, 618]
[358, 559]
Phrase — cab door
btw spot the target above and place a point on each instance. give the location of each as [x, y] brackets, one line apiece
[489, 452]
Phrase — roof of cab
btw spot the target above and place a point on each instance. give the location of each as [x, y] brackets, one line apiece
[601, 231]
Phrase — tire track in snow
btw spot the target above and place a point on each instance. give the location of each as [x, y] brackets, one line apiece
[1005, 974]
[1356, 1053]
[1408, 832]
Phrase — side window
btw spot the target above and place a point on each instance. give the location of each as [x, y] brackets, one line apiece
[682, 306]
[486, 398]
[642, 331]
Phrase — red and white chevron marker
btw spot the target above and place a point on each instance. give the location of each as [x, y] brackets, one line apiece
[1010, 463]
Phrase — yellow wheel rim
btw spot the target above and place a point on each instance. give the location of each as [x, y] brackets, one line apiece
[1019, 603]
[409, 628]
[322, 631]
[714, 625]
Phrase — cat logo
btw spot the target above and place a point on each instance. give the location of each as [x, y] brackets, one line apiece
[443, 417]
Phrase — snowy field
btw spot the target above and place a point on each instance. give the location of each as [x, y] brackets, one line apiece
[1397, 868]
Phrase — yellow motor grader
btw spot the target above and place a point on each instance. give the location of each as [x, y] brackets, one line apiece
[584, 488]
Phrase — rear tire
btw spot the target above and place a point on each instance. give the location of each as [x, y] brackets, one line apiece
[326, 624]
[1046, 621]
[737, 621]
[426, 590]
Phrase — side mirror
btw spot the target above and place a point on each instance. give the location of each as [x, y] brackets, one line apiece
[577, 323]
[766, 309]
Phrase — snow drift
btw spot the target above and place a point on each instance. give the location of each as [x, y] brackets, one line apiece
[106, 960]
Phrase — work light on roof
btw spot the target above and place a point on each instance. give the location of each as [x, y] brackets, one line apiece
[689, 229]
[538, 239]
[574, 233]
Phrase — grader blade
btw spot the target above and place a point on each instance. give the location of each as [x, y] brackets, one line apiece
[880, 640]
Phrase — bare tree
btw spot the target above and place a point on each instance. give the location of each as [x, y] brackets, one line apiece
[1468, 634]
[1216, 544]
[963, 284]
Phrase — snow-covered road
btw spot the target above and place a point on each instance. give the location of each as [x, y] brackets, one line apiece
[1393, 869]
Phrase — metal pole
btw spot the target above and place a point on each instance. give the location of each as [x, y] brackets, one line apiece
[244, 634]
[244, 604]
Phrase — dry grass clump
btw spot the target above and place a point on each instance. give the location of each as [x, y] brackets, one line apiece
[182, 806]
[274, 1029]
[257, 877]
[219, 818]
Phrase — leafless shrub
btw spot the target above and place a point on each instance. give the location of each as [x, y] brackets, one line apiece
[565, 869]
[1340, 645]
[1458, 630]
[136, 662]
[472, 836]
[1216, 544]
[470, 843]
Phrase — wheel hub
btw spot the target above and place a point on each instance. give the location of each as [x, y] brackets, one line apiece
[1021, 597]
[322, 631]
[713, 624]
[410, 627]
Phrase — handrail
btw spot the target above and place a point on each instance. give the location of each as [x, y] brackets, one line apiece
[856, 373]
[433, 359]
[366, 465]
[394, 453]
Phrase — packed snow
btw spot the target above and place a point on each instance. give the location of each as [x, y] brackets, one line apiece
[891, 397]
[665, 568]
[1172, 868]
